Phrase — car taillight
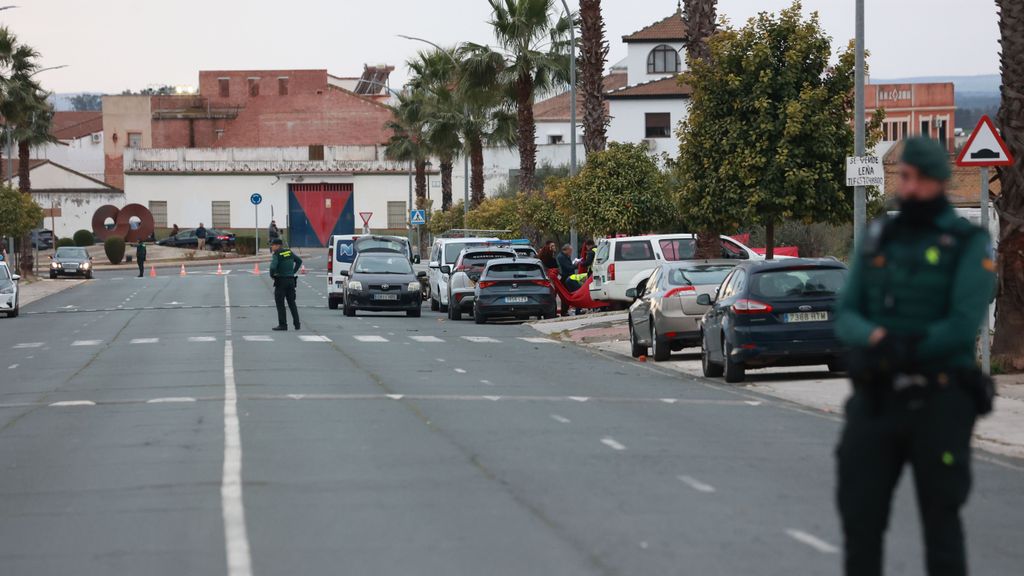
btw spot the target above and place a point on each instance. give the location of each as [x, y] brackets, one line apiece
[680, 291]
[486, 284]
[460, 268]
[611, 271]
[330, 261]
[223, 238]
[746, 306]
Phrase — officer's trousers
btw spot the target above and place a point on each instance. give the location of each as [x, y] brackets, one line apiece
[931, 429]
[284, 289]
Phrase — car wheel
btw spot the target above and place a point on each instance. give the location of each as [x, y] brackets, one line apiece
[551, 313]
[635, 349]
[434, 305]
[709, 368]
[332, 303]
[478, 316]
[735, 372]
[53, 276]
[659, 348]
[349, 311]
[88, 276]
[414, 313]
[454, 312]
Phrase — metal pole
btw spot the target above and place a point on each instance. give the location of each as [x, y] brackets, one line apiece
[465, 176]
[859, 193]
[257, 208]
[409, 211]
[986, 355]
[573, 236]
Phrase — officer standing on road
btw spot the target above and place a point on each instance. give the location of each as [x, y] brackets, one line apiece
[918, 290]
[284, 264]
[140, 257]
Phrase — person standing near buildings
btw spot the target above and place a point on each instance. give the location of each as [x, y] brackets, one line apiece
[201, 236]
[283, 267]
[919, 288]
[140, 257]
[273, 233]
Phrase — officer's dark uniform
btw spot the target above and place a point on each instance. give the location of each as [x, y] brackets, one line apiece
[140, 257]
[917, 393]
[283, 266]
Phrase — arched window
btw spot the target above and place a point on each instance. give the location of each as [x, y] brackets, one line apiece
[663, 60]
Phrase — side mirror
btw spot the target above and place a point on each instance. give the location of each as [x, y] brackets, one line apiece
[631, 293]
[416, 260]
[15, 277]
[421, 274]
[704, 300]
[343, 273]
[446, 270]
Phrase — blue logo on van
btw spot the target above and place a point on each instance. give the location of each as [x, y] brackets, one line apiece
[346, 251]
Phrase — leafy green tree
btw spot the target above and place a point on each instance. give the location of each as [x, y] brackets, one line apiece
[87, 102]
[769, 127]
[620, 190]
[19, 214]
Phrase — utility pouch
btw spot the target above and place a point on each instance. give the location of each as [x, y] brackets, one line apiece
[981, 387]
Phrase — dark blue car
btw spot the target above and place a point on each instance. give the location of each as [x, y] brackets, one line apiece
[773, 313]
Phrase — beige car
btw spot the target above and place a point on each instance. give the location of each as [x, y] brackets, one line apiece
[665, 315]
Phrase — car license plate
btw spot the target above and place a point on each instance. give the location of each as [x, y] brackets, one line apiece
[516, 299]
[806, 317]
[385, 296]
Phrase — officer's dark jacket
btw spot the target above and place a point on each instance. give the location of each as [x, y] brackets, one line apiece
[933, 282]
[140, 251]
[284, 264]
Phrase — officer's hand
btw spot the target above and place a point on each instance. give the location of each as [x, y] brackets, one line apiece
[897, 352]
[877, 335]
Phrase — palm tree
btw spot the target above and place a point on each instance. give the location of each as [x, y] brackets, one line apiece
[700, 17]
[1008, 347]
[32, 130]
[592, 58]
[434, 76]
[408, 142]
[532, 58]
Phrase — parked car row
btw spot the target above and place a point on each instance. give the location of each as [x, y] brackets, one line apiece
[747, 314]
[215, 239]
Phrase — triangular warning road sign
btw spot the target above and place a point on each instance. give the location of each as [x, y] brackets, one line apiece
[985, 147]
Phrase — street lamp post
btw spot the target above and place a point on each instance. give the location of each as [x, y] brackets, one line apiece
[572, 114]
[859, 192]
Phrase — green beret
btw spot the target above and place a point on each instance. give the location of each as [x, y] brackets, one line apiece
[929, 157]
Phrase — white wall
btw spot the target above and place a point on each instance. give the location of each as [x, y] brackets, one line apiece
[81, 155]
[76, 208]
[628, 122]
[636, 61]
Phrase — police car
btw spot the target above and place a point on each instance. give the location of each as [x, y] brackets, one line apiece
[341, 252]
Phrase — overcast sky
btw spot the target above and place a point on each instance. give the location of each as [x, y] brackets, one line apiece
[110, 45]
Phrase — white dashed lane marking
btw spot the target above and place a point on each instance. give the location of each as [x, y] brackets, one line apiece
[427, 339]
[257, 338]
[370, 338]
[180, 400]
[202, 339]
[12, 366]
[460, 370]
[481, 339]
[812, 541]
[612, 443]
[66, 403]
[25, 345]
[87, 343]
[538, 340]
[560, 419]
[308, 338]
[697, 484]
[145, 341]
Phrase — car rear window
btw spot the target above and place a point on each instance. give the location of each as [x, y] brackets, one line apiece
[383, 243]
[516, 270]
[676, 249]
[452, 251]
[797, 282]
[710, 275]
[634, 250]
[526, 252]
[602, 253]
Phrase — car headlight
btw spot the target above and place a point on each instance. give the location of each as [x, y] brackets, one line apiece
[86, 266]
[414, 286]
[54, 265]
[355, 285]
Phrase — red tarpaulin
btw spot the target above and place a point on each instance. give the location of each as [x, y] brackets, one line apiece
[578, 299]
[793, 251]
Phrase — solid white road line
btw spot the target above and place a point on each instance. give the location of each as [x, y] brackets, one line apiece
[697, 484]
[396, 396]
[236, 539]
[172, 400]
[538, 340]
[370, 338]
[257, 338]
[144, 341]
[87, 342]
[612, 443]
[427, 339]
[752, 403]
[202, 339]
[812, 541]
[308, 338]
[481, 339]
[65, 403]
[560, 419]
[25, 345]
[579, 398]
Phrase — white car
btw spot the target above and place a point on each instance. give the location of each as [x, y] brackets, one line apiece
[462, 277]
[622, 263]
[342, 251]
[8, 291]
[445, 252]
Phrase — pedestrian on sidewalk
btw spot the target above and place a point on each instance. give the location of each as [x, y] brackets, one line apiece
[273, 233]
[201, 236]
[140, 257]
[566, 269]
[919, 287]
[175, 230]
[284, 266]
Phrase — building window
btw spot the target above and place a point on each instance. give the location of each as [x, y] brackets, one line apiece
[282, 86]
[905, 130]
[555, 139]
[218, 133]
[926, 129]
[316, 153]
[221, 214]
[159, 210]
[663, 60]
[396, 215]
[658, 125]
[224, 85]
[254, 86]
[135, 140]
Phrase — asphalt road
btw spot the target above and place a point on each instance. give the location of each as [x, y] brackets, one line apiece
[148, 428]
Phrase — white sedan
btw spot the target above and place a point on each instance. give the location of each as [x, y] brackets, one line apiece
[8, 291]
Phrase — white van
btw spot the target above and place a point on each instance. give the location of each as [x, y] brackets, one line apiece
[445, 252]
[342, 251]
[621, 263]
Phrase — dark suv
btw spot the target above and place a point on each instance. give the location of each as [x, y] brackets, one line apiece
[773, 313]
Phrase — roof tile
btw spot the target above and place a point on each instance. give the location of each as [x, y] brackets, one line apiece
[671, 29]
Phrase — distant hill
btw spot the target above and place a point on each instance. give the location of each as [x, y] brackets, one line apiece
[975, 95]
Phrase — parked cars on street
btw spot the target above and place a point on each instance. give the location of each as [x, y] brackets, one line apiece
[215, 239]
[463, 276]
[666, 316]
[382, 280]
[622, 263]
[342, 250]
[773, 313]
[42, 239]
[71, 261]
[445, 252]
[513, 288]
[9, 304]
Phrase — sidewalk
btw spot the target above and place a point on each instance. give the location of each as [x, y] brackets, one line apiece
[32, 291]
[1002, 432]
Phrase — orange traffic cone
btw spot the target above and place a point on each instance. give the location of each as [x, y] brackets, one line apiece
[303, 270]
[182, 273]
[220, 270]
[152, 271]
[256, 269]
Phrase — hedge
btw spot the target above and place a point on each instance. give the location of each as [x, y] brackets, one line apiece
[245, 245]
[114, 247]
[62, 242]
[84, 238]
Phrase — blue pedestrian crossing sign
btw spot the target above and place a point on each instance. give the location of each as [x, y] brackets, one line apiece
[256, 199]
[418, 217]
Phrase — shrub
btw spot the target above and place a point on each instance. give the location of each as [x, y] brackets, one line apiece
[84, 238]
[62, 242]
[245, 245]
[114, 247]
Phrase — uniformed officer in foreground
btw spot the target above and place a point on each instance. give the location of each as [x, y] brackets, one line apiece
[284, 265]
[918, 290]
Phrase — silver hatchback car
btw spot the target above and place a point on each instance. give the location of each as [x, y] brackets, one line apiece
[665, 315]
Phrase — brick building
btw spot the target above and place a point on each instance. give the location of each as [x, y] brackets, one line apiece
[927, 109]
